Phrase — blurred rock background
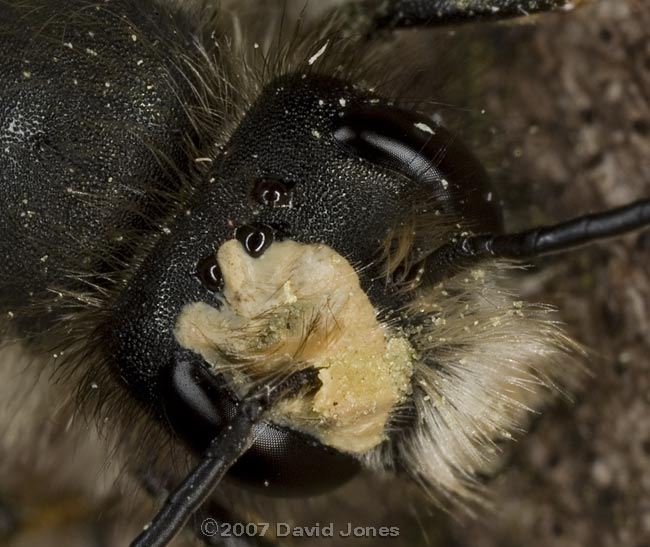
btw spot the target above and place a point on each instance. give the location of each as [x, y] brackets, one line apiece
[571, 102]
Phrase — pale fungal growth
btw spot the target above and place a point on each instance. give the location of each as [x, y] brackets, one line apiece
[300, 305]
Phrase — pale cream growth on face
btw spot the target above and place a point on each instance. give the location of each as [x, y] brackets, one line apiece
[299, 305]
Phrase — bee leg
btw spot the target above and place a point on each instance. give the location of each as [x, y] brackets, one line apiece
[372, 16]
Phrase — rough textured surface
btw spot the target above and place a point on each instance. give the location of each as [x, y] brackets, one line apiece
[575, 104]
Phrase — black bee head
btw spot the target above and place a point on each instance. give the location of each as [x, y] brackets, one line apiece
[285, 258]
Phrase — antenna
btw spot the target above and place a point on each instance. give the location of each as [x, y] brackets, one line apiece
[466, 252]
[221, 455]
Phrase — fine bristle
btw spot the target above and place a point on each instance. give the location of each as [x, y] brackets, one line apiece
[487, 362]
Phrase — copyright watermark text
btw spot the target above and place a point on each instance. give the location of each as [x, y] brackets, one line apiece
[214, 528]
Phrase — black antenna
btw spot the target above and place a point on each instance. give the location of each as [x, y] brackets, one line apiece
[466, 252]
[222, 454]
[371, 16]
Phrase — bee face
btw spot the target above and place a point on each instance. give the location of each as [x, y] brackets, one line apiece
[282, 257]
[280, 179]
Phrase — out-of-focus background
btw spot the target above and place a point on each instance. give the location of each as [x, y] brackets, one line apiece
[570, 98]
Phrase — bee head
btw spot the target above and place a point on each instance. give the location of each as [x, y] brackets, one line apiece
[301, 248]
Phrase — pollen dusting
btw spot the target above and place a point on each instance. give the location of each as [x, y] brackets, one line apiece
[299, 305]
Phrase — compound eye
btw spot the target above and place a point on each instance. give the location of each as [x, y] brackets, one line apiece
[399, 140]
[272, 193]
[286, 463]
[281, 462]
[415, 147]
[209, 273]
